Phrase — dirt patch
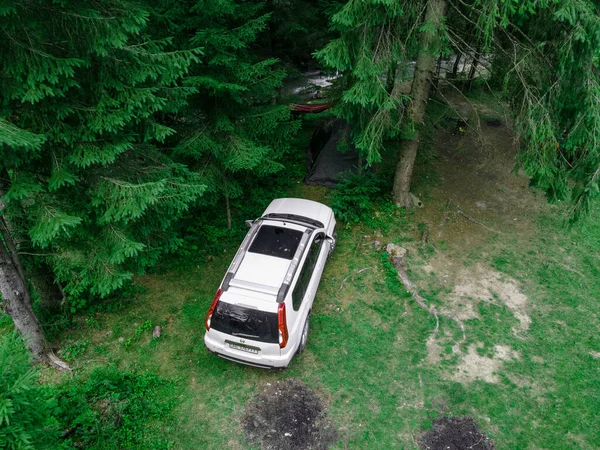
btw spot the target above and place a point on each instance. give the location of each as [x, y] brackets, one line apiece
[474, 284]
[287, 415]
[480, 283]
[474, 366]
[450, 433]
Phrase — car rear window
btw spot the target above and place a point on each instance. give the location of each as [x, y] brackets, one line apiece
[245, 322]
[276, 241]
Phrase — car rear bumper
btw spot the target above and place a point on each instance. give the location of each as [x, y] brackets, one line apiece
[223, 351]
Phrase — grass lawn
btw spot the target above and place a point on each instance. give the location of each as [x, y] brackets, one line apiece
[525, 289]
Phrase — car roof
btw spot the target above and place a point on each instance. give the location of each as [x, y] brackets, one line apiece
[263, 269]
[300, 207]
[262, 276]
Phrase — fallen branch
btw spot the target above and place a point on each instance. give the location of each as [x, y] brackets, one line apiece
[54, 361]
[343, 281]
[410, 287]
[475, 221]
[444, 218]
[357, 272]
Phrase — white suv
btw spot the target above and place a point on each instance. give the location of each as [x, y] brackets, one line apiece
[260, 314]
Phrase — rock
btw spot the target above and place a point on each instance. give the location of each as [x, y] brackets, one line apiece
[397, 255]
[121, 339]
[416, 201]
[156, 332]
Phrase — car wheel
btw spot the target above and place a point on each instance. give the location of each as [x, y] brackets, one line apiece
[304, 336]
[332, 244]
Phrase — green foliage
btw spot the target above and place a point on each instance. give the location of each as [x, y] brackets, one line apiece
[234, 132]
[25, 421]
[111, 409]
[545, 62]
[297, 29]
[354, 196]
[71, 352]
[147, 325]
[88, 97]
[370, 45]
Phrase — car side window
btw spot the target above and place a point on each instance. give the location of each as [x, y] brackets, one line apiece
[306, 272]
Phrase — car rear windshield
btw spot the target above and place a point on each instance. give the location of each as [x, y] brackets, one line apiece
[276, 241]
[245, 322]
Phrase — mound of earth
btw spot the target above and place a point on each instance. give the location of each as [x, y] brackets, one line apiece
[287, 415]
[451, 433]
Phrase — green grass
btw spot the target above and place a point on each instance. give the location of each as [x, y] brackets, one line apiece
[367, 356]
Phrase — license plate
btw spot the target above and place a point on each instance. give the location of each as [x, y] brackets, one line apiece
[243, 348]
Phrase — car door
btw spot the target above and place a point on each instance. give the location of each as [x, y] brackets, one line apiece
[319, 250]
[304, 288]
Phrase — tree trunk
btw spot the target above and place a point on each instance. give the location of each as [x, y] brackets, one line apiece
[391, 78]
[455, 67]
[436, 10]
[473, 71]
[17, 304]
[436, 79]
[42, 281]
[228, 212]
[16, 300]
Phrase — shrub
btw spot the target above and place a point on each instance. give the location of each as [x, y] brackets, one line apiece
[354, 196]
[25, 422]
[114, 409]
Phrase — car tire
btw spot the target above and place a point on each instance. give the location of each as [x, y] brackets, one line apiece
[332, 244]
[304, 335]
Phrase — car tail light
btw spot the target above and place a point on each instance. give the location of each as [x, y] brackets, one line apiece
[211, 310]
[282, 325]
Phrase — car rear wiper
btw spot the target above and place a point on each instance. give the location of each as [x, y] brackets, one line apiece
[244, 335]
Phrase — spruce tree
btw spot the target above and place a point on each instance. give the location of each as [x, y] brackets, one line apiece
[368, 53]
[553, 86]
[86, 181]
[234, 132]
[544, 56]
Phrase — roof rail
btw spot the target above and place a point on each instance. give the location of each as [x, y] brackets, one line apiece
[239, 256]
[295, 218]
[289, 276]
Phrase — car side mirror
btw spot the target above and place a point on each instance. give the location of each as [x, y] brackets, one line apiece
[330, 239]
[249, 223]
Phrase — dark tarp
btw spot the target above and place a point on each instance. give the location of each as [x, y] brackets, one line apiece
[325, 162]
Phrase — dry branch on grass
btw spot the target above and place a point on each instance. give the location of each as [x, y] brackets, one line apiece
[410, 287]
[475, 221]
[357, 272]
[460, 212]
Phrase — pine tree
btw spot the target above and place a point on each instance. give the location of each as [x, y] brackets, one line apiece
[554, 88]
[85, 177]
[296, 29]
[545, 56]
[368, 52]
[430, 47]
[233, 132]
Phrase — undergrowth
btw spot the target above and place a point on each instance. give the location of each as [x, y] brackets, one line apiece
[111, 409]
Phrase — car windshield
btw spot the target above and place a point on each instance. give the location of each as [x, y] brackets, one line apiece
[276, 241]
[245, 322]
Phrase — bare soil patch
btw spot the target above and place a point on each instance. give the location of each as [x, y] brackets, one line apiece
[287, 415]
[451, 433]
[478, 283]
[477, 367]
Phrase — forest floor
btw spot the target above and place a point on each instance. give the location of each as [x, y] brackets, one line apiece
[516, 349]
